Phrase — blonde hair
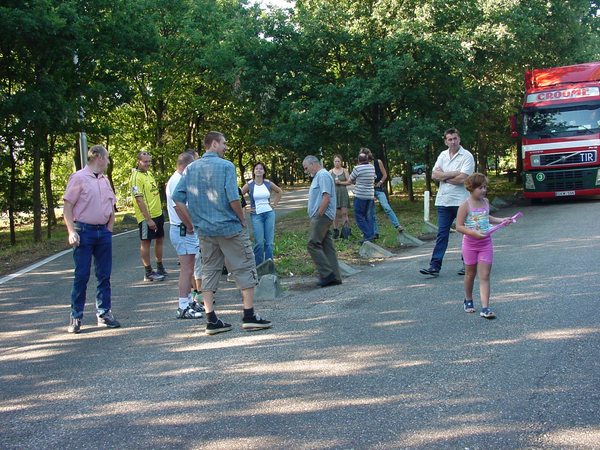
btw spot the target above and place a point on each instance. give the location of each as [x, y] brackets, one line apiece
[96, 151]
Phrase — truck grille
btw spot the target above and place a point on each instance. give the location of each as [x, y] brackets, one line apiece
[562, 159]
[565, 180]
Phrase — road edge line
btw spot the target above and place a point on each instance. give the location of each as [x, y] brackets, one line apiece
[25, 270]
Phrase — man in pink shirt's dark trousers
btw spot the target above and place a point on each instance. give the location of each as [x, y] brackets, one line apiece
[89, 217]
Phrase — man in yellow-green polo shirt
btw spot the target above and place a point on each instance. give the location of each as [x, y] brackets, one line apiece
[149, 214]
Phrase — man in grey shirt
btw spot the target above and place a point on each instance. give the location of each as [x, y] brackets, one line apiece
[321, 210]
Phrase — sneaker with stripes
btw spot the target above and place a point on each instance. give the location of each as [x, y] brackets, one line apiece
[188, 313]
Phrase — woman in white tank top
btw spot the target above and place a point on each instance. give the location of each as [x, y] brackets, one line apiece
[261, 211]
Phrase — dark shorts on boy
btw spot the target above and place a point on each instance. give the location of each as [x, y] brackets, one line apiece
[148, 234]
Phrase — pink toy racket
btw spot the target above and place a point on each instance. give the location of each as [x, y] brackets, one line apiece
[496, 227]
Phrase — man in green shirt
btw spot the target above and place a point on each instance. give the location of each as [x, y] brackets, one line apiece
[149, 214]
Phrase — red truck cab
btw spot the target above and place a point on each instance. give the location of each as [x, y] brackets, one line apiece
[561, 131]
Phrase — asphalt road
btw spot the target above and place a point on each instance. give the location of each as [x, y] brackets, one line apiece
[386, 360]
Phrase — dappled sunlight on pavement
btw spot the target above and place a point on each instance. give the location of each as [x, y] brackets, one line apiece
[386, 360]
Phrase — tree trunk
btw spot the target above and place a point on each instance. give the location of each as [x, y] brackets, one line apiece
[189, 133]
[12, 193]
[159, 144]
[384, 158]
[109, 169]
[50, 216]
[409, 184]
[482, 152]
[274, 176]
[290, 174]
[241, 167]
[429, 162]
[197, 141]
[37, 178]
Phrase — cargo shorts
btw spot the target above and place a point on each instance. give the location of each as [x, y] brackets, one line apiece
[235, 252]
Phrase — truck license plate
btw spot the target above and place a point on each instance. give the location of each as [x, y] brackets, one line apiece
[564, 193]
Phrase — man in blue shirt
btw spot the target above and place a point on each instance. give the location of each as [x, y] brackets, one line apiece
[207, 196]
[321, 210]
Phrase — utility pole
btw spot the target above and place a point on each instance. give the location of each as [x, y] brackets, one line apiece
[82, 141]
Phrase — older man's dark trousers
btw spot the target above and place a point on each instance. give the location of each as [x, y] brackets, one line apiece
[321, 249]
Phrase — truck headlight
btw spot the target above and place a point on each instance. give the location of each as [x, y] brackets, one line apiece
[535, 160]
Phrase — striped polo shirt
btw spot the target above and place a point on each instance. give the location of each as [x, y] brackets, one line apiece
[363, 176]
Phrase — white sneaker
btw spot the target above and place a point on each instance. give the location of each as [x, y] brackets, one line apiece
[188, 313]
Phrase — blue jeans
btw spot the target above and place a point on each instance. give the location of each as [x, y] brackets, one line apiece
[263, 228]
[96, 241]
[446, 215]
[363, 214]
[383, 201]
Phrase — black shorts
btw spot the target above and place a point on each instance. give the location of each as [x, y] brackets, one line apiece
[147, 234]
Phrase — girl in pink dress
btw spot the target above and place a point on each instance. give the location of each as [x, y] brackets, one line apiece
[473, 221]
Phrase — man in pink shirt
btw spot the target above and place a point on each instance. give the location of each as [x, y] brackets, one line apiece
[89, 217]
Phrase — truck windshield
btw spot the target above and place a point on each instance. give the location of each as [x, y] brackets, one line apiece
[549, 122]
